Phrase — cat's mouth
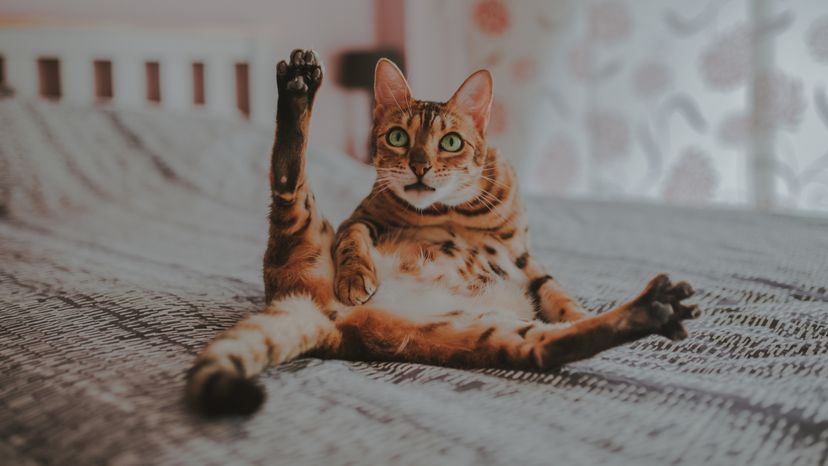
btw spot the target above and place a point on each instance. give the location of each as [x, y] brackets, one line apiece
[418, 187]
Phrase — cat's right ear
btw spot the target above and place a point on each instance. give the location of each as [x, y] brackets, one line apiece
[390, 87]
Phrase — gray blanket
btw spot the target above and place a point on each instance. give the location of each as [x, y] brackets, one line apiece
[129, 240]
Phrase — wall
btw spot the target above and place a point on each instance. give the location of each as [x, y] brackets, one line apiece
[670, 101]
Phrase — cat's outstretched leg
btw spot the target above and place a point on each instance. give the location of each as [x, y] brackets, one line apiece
[658, 310]
[220, 381]
[452, 340]
[298, 270]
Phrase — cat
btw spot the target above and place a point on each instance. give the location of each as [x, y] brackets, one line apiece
[433, 266]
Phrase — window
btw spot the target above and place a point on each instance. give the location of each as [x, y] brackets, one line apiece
[153, 81]
[198, 83]
[243, 89]
[48, 70]
[103, 79]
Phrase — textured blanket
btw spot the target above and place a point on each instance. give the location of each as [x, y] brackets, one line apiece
[129, 240]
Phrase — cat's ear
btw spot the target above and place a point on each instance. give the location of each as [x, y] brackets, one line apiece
[474, 98]
[390, 87]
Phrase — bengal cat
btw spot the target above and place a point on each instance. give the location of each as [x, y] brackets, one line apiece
[433, 266]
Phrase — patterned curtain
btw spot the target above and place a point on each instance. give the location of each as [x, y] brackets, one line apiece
[717, 101]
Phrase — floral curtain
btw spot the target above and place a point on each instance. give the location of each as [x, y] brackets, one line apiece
[718, 101]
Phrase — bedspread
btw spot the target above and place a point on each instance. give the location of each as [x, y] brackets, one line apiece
[129, 239]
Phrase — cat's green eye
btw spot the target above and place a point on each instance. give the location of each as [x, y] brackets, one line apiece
[397, 137]
[451, 142]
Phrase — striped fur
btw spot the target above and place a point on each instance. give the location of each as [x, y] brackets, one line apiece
[432, 267]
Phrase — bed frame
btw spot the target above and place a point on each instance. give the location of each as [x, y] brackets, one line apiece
[221, 73]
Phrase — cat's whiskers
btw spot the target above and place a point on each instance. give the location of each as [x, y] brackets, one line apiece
[380, 186]
[490, 179]
[488, 200]
[484, 197]
[494, 182]
[384, 182]
[395, 171]
[485, 203]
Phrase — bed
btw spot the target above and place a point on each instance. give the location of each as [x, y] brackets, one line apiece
[130, 238]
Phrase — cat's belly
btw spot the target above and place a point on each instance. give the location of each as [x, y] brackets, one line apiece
[437, 287]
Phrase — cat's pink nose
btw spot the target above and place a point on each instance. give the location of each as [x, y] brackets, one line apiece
[420, 168]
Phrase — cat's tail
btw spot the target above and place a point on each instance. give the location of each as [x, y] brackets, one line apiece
[220, 382]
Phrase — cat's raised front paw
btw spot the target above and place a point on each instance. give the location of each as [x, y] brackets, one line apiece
[302, 74]
[356, 285]
[659, 308]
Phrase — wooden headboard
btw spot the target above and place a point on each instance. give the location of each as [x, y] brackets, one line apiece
[228, 74]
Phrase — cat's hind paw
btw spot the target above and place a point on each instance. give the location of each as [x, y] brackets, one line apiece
[659, 308]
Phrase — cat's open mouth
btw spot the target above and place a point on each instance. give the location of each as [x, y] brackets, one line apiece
[418, 187]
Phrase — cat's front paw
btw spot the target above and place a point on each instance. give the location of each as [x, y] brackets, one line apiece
[301, 74]
[355, 285]
[659, 308]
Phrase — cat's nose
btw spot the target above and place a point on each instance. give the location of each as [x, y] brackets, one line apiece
[419, 168]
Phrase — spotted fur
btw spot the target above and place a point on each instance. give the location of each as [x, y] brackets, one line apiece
[433, 266]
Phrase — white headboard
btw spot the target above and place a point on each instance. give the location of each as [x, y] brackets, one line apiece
[237, 68]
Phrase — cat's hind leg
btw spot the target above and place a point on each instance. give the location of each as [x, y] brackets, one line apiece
[658, 310]
[453, 340]
[219, 383]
